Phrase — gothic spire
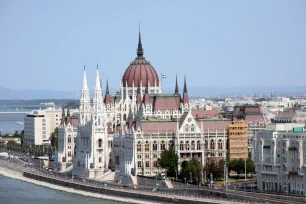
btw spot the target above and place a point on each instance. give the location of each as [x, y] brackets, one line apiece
[107, 90]
[139, 49]
[68, 113]
[185, 85]
[85, 86]
[98, 80]
[176, 87]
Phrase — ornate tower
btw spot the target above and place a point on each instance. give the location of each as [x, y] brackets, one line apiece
[85, 107]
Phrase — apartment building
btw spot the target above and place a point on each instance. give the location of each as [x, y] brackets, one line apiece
[281, 158]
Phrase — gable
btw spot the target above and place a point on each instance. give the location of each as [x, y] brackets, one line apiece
[189, 124]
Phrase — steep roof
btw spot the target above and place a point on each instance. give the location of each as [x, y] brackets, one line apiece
[167, 102]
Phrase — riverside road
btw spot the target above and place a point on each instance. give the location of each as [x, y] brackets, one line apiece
[232, 196]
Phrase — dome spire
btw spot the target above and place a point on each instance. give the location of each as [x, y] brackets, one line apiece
[176, 86]
[139, 49]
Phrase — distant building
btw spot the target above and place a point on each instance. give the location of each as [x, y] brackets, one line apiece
[39, 125]
[281, 157]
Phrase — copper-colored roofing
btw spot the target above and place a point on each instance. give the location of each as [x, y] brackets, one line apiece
[204, 113]
[167, 102]
[255, 120]
[185, 98]
[140, 69]
[108, 99]
[158, 126]
[252, 110]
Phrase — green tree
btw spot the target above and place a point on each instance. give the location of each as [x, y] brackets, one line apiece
[236, 165]
[54, 138]
[168, 160]
[191, 170]
[250, 167]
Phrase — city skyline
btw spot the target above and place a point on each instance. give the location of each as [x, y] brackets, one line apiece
[210, 42]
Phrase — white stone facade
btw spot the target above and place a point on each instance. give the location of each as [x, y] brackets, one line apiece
[137, 149]
[91, 159]
[281, 159]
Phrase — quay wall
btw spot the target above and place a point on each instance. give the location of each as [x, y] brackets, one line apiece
[113, 192]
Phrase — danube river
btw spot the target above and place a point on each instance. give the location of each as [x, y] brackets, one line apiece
[16, 192]
[9, 123]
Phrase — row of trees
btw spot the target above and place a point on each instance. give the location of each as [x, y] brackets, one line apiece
[34, 150]
[192, 170]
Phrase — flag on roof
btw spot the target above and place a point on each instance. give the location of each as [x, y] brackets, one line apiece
[164, 76]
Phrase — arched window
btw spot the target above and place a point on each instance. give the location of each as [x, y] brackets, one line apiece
[220, 146]
[187, 145]
[192, 128]
[192, 145]
[198, 145]
[162, 145]
[212, 144]
[147, 146]
[186, 128]
[139, 147]
[154, 146]
[139, 164]
[206, 144]
[99, 121]
[99, 143]
[182, 145]
[155, 164]
[69, 154]
[100, 159]
[69, 139]
[124, 117]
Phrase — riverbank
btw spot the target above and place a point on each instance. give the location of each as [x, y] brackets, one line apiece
[10, 173]
[18, 171]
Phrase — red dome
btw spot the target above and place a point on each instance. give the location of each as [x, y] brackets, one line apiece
[142, 70]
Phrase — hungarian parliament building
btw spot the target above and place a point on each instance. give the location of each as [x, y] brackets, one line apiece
[126, 132]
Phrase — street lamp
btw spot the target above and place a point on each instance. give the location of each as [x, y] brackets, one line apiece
[185, 180]
[175, 175]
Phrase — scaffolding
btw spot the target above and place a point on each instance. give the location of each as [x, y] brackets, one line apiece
[238, 140]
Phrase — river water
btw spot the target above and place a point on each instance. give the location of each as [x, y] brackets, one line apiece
[19, 192]
[9, 123]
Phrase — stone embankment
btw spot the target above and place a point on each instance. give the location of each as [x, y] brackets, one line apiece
[119, 194]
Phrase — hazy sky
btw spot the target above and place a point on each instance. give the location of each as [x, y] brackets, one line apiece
[44, 44]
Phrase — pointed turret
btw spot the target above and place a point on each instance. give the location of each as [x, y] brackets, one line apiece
[139, 49]
[107, 90]
[176, 91]
[138, 97]
[146, 98]
[85, 85]
[185, 94]
[98, 80]
[84, 101]
[107, 96]
[68, 113]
